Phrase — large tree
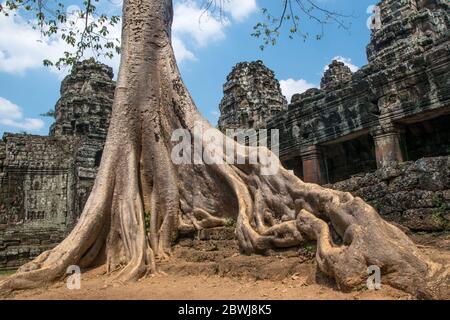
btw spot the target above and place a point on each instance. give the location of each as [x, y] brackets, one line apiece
[137, 175]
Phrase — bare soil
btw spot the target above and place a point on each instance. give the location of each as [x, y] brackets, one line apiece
[213, 269]
[96, 286]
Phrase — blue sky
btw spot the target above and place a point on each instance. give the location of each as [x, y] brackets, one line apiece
[206, 52]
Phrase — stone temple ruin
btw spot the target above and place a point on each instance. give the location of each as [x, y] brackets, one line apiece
[382, 133]
[252, 95]
[45, 181]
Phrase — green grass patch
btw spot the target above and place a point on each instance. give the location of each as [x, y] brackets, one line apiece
[7, 272]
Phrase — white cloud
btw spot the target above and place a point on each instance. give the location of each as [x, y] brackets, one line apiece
[181, 52]
[240, 9]
[12, 116]
[23, 48]
[290, 87]
[9, 110]
[192, 21]
[346, 61]
[215, 113]
[29, 124]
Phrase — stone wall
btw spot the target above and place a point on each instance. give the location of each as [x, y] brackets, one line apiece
[34, 180]
[35, 190]
[403, 91]
[415, 195]
[46, 180]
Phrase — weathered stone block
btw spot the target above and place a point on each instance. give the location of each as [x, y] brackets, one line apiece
[405, 199]
[425, 219]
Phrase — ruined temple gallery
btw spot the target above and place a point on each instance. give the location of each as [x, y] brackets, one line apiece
[381, 133]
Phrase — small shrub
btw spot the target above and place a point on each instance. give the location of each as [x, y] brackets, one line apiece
[361, 288]
[308, 250]
[230, 223]
[440, 211]
[7, 272]
[147, 220]
[438, 216]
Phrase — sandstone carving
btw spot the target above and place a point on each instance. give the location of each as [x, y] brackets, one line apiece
[45, 181]
[251, 96]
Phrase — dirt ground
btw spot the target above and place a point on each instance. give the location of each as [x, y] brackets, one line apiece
[96, 286]
[235, 278]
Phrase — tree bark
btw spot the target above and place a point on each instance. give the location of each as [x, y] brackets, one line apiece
[137, 175]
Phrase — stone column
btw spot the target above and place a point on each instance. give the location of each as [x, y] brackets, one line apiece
[312, 160]
[387, 146]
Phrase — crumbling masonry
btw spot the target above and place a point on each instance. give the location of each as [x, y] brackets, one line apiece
[386, 127]
[45, 181]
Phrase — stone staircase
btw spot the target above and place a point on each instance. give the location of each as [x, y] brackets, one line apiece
[216, 252]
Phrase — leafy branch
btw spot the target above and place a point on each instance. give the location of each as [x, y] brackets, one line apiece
[50, 113]
[84, 30]
[292, 14]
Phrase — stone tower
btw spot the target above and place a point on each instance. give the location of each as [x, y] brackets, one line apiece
[407, 28]
[83, 115]
[251, 96]
[84, 108]
[336, 74]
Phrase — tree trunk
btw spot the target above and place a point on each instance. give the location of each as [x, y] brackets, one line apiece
[272, 211]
